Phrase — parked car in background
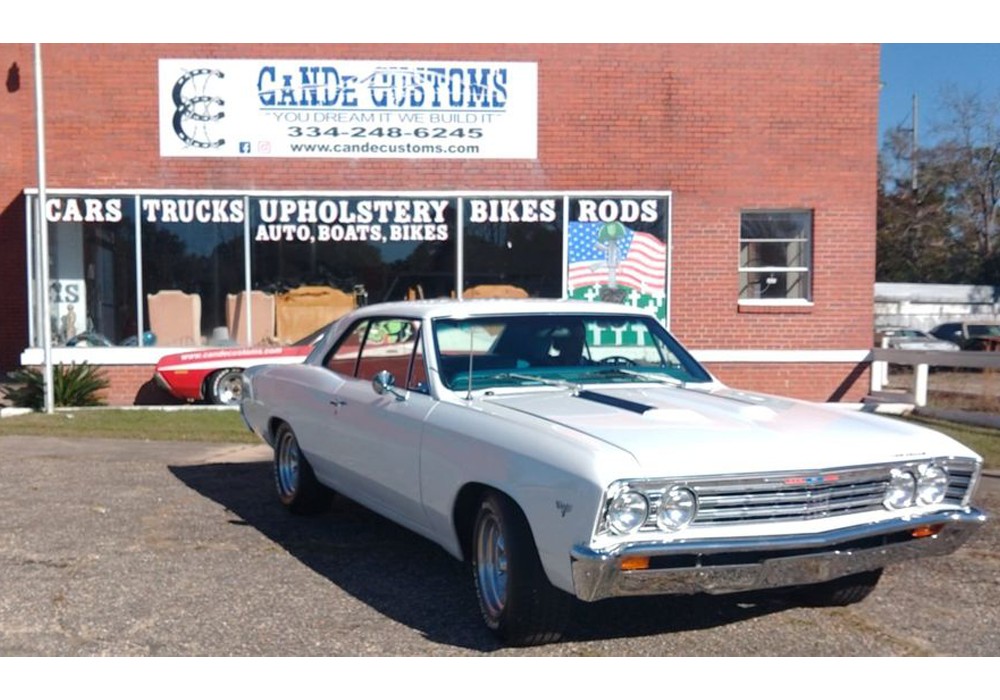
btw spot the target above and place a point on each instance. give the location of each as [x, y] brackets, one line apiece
[970, 336]
[912, 339]
[216, 375]
[573, 449]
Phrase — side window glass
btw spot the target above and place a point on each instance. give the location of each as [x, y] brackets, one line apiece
[388, 347]
[344, 357]
[418, 369]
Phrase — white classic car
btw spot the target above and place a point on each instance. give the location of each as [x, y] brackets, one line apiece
[572, 449]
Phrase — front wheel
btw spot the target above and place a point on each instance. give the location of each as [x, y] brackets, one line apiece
[842, 591]
[515, 597]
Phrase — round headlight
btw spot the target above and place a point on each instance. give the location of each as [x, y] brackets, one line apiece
[932, 485]
[677, 509]
[902, 487]
[627, 512]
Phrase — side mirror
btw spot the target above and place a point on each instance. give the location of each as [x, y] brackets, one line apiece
[383, 382]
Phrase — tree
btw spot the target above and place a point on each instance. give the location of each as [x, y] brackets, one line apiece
[948, 229]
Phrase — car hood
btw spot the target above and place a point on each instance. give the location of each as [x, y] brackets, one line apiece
[718, 431]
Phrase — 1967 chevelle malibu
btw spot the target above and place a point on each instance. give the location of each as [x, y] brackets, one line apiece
[568, 449]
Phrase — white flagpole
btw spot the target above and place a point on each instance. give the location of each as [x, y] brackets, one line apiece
[43, 233]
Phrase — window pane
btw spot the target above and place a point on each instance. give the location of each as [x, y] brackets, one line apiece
[786, 254]
[92, 271]
[784, 224]
[774, 285]
[321, 257]
[418, 369]
[513, 247]
[192, 259]
[389, 346]
[345, 357]
[617, 251]
[775, 239]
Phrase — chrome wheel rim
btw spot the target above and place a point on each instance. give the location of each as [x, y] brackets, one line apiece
[491, 565]
[230, 388]
[287, 467]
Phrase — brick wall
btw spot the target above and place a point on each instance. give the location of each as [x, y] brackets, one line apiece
[724, 127]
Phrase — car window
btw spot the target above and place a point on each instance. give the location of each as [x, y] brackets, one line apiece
[418, 369]
[344, 357]
[389, 346]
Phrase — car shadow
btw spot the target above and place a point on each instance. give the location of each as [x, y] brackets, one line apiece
[414, 582]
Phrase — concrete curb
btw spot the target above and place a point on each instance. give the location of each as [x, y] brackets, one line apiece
[10, 412]
[977, 418]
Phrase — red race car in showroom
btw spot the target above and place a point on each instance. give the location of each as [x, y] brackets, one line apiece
[216, 375]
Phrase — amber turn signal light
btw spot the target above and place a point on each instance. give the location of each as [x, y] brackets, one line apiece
[927, 530]
[635, 563]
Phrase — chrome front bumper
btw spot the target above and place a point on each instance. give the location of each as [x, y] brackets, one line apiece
[743, 564]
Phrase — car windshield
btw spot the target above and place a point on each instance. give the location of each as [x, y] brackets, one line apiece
[538, 349]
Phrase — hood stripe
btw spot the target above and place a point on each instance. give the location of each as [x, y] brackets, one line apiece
[624, 404]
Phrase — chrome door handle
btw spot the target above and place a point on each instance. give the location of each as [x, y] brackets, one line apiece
[337, 402]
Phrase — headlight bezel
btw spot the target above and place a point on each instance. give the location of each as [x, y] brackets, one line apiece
[655, 500]
[906, 482]
[921, 478]
[931, 475]
[673, 495]
[623, 494]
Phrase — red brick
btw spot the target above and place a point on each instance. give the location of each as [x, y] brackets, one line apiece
[724, 127]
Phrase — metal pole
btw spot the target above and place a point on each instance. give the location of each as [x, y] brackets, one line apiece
[43, 232]
[913, 145]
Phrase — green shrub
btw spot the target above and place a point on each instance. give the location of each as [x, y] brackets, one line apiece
[73, 385]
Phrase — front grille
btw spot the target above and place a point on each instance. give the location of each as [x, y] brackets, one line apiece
[802, 496]
[718, 504]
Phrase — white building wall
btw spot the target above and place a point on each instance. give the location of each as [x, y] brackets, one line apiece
[923, 306]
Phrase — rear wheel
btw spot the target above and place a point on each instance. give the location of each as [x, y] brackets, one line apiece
[294, 478]
[225, 387]
[515, 597]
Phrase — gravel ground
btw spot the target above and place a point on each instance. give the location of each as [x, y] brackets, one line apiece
[114, 547]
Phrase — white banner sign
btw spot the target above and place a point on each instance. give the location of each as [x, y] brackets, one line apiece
[347, 109]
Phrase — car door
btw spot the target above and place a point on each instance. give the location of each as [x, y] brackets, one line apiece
[374, 439]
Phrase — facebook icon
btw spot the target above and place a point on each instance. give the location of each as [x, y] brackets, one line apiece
[244, 146]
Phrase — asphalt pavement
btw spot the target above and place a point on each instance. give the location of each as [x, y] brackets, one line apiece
[116, 547]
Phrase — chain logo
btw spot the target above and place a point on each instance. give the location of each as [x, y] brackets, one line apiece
[196, 110]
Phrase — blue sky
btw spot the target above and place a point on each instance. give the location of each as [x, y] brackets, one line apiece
[926, 69]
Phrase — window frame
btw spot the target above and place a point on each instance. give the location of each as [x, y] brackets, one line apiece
[142, 354]
[808, 269]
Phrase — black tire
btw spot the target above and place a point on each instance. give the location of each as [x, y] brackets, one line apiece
[528, 610]
[298, 489]
[225, 387]
[840, 592]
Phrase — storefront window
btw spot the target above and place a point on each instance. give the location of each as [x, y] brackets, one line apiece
[319, 258]
[617, 251]
[192, 265]
[312, 259]
[92, 271]
[513, 247]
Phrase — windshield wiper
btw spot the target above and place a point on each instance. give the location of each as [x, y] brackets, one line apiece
[662, 378]
[575, 388]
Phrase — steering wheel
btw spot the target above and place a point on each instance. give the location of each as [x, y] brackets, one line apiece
[618, 360]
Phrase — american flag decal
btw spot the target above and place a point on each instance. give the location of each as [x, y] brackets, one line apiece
[636, 259]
